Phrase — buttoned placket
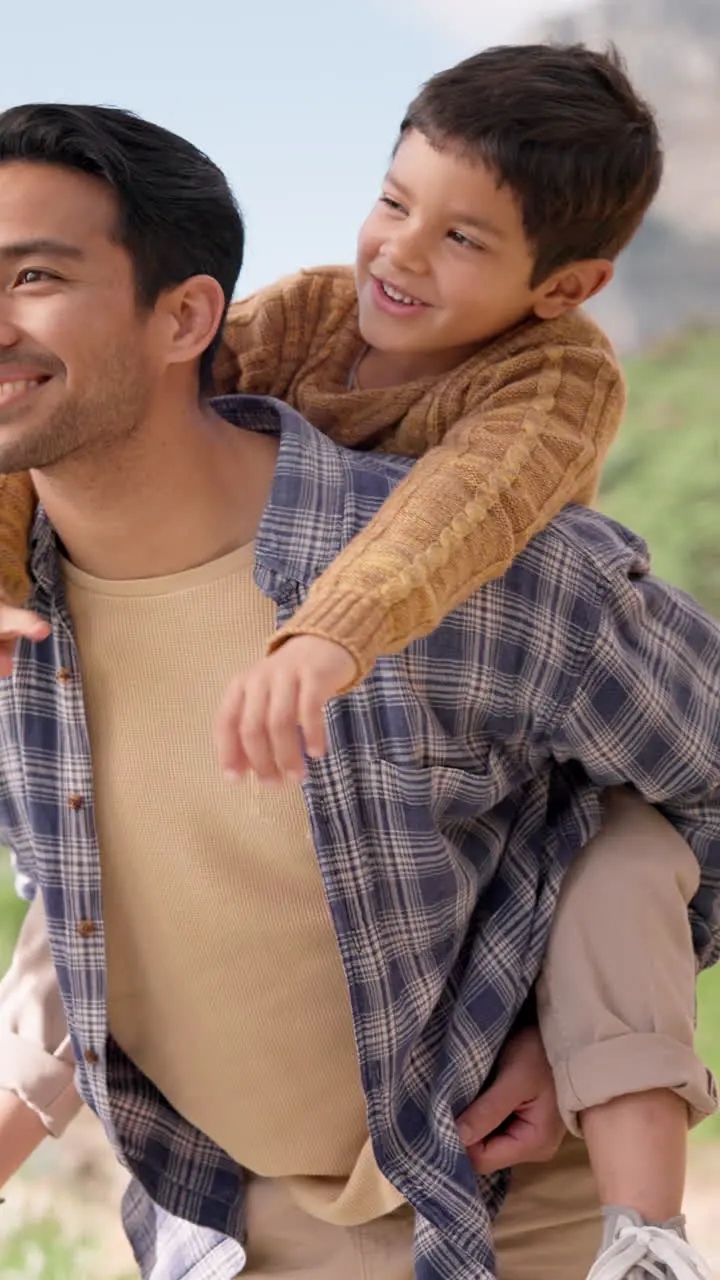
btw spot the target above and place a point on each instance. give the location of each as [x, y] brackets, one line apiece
[85, 940]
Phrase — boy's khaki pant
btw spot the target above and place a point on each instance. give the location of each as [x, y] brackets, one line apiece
[617, 1014]
[617, 997]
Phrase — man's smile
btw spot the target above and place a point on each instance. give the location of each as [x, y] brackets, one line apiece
[12, 391]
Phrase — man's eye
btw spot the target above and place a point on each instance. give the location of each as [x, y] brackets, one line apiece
[33, 275]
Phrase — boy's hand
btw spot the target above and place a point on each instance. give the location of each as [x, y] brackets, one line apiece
[276, 706]
[15, 623]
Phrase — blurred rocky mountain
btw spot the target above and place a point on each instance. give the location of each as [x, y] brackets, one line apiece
[670, 276]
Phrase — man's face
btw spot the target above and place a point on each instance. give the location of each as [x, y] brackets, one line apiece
[445, 238]
[76, 352]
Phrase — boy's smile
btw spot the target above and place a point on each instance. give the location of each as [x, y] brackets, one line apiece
[396, 302]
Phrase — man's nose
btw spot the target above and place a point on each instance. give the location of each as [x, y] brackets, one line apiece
[9, 333]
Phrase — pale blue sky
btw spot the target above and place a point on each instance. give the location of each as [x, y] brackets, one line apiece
[298, 100]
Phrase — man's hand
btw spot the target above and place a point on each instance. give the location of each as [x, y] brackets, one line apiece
[21, 1131]
[15, 623]
[516, 1120]
[278, 706]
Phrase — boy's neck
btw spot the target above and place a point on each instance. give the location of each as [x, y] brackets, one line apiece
[379, 369]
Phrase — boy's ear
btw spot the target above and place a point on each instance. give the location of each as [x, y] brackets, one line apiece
[571, 287]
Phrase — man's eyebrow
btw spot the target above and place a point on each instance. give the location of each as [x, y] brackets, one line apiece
[49, 248]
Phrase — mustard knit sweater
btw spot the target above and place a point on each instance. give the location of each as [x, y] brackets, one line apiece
[504, 440]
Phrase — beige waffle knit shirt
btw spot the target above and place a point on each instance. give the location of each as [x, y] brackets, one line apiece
[225, 984]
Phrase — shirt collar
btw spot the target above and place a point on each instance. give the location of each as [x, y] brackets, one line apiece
[301, 529]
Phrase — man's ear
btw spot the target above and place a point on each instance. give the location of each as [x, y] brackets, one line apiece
[193, 313]
[571, 287]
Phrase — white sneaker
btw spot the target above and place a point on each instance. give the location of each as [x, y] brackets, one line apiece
[634, 1250]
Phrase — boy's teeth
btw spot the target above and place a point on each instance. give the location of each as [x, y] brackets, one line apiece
[12, 388]
[396, 296]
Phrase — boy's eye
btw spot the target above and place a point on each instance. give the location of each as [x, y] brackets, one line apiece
[395, 205]
[459, 238]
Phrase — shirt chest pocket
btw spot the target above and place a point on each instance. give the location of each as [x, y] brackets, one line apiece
[439, 831]
[446, 794]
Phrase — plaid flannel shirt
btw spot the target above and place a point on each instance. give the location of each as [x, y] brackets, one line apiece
[462, 777]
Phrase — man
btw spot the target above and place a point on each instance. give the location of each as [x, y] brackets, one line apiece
[205, 935]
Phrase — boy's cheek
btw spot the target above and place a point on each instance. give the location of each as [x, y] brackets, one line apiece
[369, 241]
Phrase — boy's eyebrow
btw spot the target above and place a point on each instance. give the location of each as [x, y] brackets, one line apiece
[49, 247]
[467, 219]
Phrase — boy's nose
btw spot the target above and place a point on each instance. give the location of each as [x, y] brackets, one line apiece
[405, 252]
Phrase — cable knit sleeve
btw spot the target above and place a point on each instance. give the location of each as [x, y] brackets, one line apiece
[533, 442]
[17, 504]
[268, 336]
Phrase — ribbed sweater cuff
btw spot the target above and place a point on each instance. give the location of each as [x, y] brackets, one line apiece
[365, 631]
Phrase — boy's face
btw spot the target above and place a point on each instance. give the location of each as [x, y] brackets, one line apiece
[443, 263]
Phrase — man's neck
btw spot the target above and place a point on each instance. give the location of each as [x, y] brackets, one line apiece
[179, 494]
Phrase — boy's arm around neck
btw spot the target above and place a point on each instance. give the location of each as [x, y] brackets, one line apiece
[269, 336]
[17, 505]
[533, 441]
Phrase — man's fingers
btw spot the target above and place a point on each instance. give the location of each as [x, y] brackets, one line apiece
[501, 1152]
[522, 1141]
[529, 1137]
[485, 1114]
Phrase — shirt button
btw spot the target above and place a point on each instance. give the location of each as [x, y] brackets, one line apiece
[85, 928]
[63, 675]
[75, 802]
[91, 1057]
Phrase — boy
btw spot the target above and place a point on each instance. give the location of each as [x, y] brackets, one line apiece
[518, 177]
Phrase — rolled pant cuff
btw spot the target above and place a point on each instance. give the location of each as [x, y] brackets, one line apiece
[632, 1063]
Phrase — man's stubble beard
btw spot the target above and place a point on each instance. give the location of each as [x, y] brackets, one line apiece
[81, 429]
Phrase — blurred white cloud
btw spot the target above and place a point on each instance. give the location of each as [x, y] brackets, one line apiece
[478, 22]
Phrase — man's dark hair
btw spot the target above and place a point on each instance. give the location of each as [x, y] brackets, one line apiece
[562, 127]
[177, 216]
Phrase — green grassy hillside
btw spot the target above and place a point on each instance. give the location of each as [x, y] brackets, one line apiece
[663, 476]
